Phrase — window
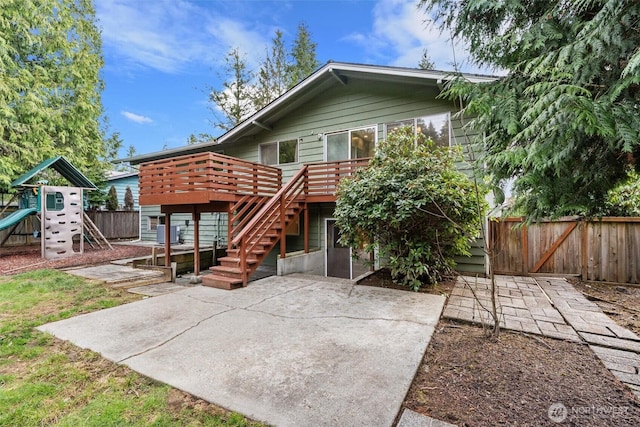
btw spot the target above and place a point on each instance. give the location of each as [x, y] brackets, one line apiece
[288, 151]
[55, 201]
[437, 127]
[278, 153]
[153, 221]
[269, 153]
[351, 144]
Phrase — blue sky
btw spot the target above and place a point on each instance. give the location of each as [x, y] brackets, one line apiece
[160, 56]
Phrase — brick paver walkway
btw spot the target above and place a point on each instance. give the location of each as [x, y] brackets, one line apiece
[550, 307]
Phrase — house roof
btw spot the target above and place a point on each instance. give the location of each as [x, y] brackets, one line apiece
[115, 175]
[63, 167]
[329, 75]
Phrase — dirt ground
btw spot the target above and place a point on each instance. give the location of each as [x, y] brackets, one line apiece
[469, 380]
[21, 259]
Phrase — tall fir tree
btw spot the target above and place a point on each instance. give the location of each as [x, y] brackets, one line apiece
[244, 92]
[50, 90]
[565, 121]
[234, 101]
[272, 76]
[304, 60]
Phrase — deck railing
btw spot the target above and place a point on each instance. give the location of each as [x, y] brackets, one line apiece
[324, 177]
[162, 180]
[204, 177]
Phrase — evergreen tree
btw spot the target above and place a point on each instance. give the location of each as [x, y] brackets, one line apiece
[303, 55]
[244, 93]
[128, 199]
[234, 101]
[272, 77]
[565, 121]
[425, 62]
[50, 89]
[112, 199]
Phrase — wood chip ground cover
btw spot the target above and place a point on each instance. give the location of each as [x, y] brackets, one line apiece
[468, 380]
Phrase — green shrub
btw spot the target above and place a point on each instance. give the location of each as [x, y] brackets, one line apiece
[414, 206]
[624, 200]
[112, 199]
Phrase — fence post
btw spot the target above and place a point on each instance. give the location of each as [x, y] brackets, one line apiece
[584, 249]
[525, 248]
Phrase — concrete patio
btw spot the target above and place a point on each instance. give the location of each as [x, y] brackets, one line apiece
[294, 350]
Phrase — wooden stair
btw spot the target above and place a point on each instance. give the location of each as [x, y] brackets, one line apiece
[256, 236]
[230, 273]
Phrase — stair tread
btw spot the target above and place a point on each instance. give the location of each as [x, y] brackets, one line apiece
[221, 282]
[236, 259]
[210, 277]
[226, 269]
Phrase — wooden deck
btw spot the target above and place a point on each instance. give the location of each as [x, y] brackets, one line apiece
[204, 178]
[259, 206]
[209, 177]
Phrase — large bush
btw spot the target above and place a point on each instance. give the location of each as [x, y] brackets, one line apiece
[414, 206]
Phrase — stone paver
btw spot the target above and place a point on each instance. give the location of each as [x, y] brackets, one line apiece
[411, 418]
[551, 307]
[523, 306]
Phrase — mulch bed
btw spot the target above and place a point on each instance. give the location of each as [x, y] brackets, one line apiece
[469, 380]
[21, 259]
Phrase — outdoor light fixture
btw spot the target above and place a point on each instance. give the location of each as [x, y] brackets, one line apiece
[186, 222]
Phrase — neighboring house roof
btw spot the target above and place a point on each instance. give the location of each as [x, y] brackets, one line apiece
[330, 74]
[114, 175]
[63, 167]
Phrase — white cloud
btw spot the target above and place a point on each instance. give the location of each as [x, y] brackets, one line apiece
[399, 34]
[136, 117]
[171, 35]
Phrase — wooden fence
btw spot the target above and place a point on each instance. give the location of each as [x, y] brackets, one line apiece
[112, 224]
[117, 224]
[606, 249]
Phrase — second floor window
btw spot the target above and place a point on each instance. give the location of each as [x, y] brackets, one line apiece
[436, 126]
[278, 153]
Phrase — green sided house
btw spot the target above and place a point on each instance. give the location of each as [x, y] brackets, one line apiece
[266, 189]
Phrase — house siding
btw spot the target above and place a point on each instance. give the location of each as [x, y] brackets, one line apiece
[121, 185]
[339, 108]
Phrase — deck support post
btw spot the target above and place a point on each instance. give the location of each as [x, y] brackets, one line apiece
[196, 242]
[283, 228]
[306, 228]
[167, 239]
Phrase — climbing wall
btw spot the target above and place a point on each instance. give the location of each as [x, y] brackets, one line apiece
[61, 221]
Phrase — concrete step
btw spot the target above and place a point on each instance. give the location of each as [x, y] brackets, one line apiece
[120, 276]
[221, 282]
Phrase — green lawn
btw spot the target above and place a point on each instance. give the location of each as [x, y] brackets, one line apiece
[44, 381]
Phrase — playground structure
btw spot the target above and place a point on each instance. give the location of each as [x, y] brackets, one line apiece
[64, 226]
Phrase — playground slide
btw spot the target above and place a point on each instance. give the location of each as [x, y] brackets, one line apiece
[16, 217]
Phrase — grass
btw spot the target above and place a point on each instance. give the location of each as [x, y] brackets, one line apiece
[45, 381]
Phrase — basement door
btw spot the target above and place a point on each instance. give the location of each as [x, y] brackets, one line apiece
[338, 260]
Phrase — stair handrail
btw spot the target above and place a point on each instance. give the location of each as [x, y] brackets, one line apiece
[261, 223]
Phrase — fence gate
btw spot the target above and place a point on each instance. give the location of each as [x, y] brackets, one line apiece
[607, 249]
